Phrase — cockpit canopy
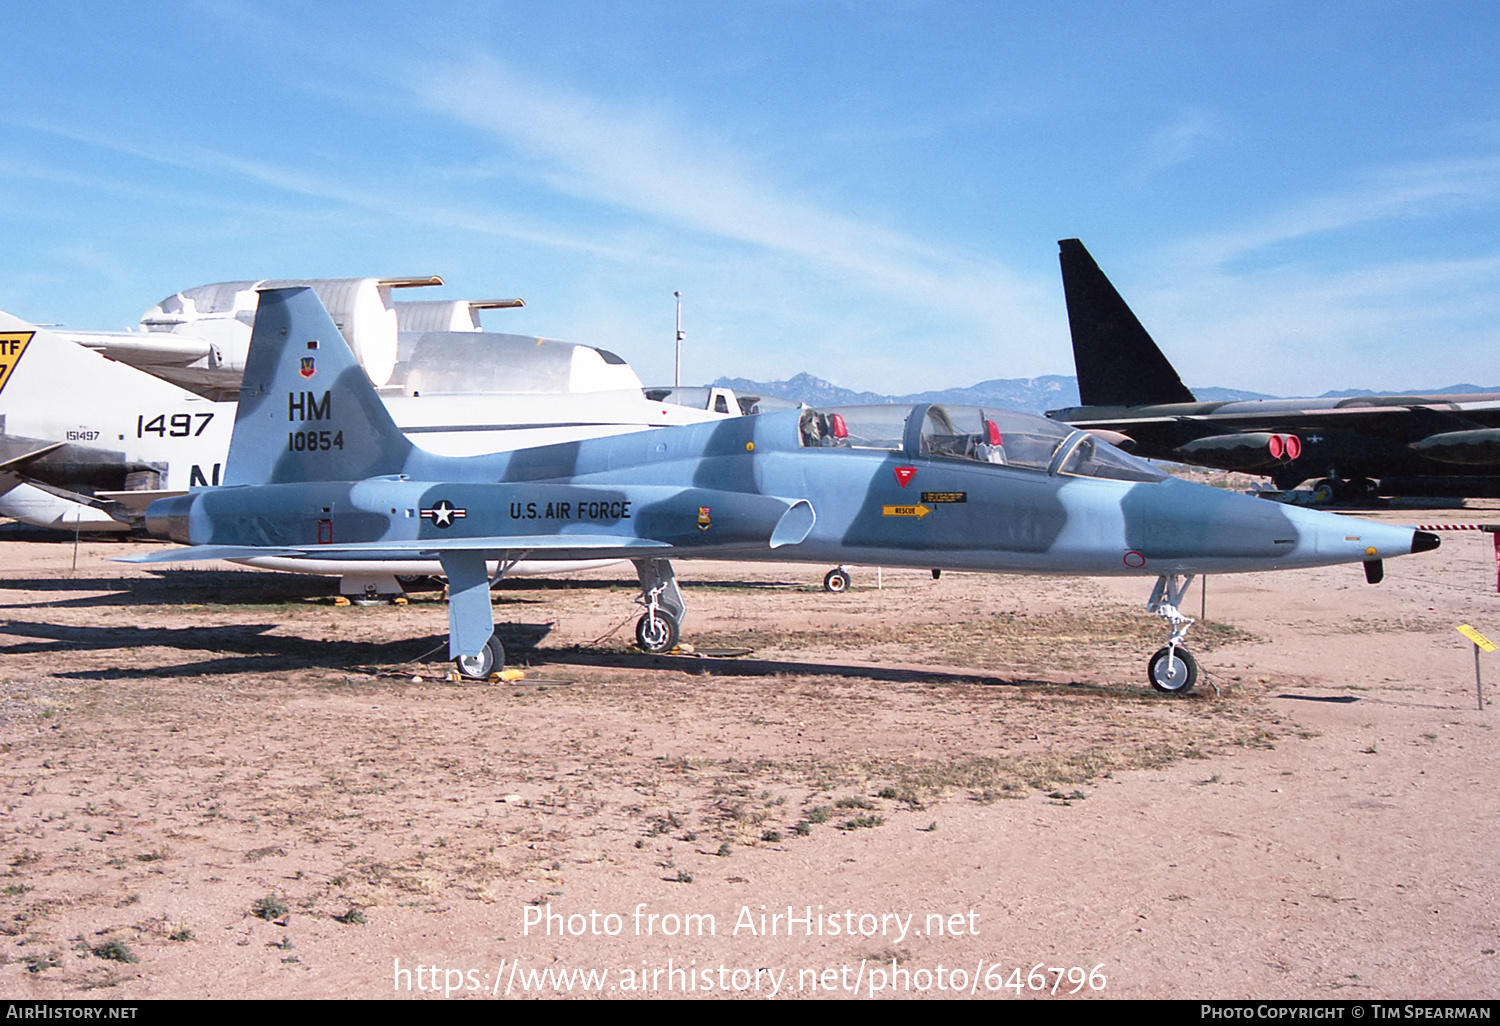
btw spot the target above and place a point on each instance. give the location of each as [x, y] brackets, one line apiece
[993, 436]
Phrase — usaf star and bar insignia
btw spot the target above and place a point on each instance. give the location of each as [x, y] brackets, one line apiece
[443, 514]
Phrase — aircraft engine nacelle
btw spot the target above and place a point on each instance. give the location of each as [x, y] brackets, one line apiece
[40, 508]
[222, 315]
[1249, 450]
[1479, 447]
[447, 314]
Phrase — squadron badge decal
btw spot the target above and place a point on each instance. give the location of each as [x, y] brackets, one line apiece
[12, 345]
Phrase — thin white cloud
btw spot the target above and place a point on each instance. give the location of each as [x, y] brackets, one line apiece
[637, 160]
[1414, 191]
[208, 161]
[1178, 142]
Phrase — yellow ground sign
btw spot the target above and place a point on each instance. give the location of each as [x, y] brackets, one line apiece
[1479, 639]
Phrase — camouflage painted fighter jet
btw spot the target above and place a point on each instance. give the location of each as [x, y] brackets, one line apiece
[317, 469]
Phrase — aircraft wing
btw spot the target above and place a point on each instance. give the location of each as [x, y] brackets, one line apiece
[557, 546]
[1282, 417]
[219, 384]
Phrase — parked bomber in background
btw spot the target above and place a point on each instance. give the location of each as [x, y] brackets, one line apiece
[1354, 448]
[318, 469]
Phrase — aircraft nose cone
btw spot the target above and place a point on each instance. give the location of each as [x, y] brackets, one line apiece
[1424, 541]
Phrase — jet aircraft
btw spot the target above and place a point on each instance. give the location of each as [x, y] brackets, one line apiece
[317, 469]
[87, 441]
[1355, 447]
[84, 437]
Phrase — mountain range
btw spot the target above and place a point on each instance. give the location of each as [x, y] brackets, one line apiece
[1030, 395]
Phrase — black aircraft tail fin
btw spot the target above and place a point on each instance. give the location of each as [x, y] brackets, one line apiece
[307, 412]
[1117, 362]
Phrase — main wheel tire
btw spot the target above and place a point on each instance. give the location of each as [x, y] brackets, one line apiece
[656, 632]
[1173, 671]
[836, 581]
[491, 659]
[1325, 492]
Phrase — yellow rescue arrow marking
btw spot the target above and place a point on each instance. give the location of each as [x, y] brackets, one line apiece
[919, 511]
[12, 345]
[1476, 637]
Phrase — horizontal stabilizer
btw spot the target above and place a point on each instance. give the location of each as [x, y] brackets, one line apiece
[197, 553]
[15, 463]
[136, 500]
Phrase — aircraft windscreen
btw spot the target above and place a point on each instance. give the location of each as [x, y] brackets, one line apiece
[1094, 457]
[994, 436]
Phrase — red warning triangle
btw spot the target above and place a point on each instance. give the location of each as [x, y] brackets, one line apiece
[905, 474]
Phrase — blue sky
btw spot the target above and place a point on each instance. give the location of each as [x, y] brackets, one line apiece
[1294, 197]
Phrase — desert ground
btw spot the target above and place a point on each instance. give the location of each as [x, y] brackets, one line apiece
[219, 784]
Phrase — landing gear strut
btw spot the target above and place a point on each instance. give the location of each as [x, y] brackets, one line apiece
[659, 627]
[1173, 669]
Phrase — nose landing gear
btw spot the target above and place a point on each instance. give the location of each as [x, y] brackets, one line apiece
[1172, 670]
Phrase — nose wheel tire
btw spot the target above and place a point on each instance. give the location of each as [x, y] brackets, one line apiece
[491, 659]
[1173, 671]
[836, 581]
[656, 632]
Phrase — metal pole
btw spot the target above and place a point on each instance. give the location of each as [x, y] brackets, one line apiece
[1478, 685]
[677, 372]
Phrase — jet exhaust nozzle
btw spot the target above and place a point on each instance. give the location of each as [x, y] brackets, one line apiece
[169, 518]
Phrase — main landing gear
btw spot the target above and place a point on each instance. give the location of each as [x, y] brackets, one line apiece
[472, 645]
[490, 659]
[1333, 489]
[1173, 669]
[660, 626]
[836, 580]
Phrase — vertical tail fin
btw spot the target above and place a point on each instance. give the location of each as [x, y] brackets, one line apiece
[307, 412]
[1117, 362]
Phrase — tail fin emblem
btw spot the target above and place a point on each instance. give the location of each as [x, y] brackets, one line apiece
[12, 345]
[309, 366]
